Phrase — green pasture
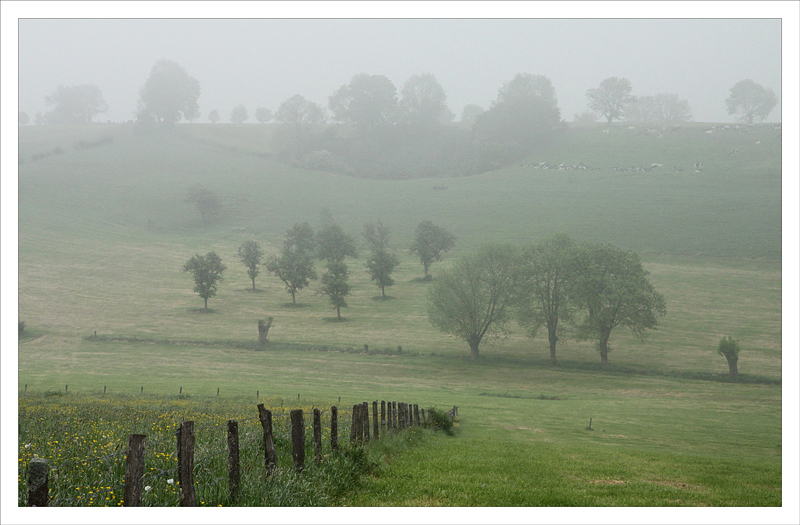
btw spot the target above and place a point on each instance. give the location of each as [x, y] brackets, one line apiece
[104, 233]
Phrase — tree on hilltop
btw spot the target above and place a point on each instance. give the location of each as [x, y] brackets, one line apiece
[611, 98]
[239, 114]
[168, 95]
[75, 104]
[263, 115]
[207, 274]
[751, 101]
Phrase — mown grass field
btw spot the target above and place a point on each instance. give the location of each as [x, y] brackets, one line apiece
[104, 233]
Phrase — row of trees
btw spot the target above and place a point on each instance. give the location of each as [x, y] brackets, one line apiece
[294, 265]
[593, 287]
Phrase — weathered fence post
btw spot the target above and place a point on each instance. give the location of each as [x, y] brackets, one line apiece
[375, 430]
[334, 428]
[394, 416]
[298, 439]
[401, 416]
[134, 470]
[365, 420]
[38, 476]
[383, 417]
[416, 415]
[424, 419]
[270, 457]
[186, 464]
[355, 426]
[234, 476]
[317, 436]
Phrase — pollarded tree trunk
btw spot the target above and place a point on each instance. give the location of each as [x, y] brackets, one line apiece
[733, 366]
[602, 347]
[263, 330]
[473, 347]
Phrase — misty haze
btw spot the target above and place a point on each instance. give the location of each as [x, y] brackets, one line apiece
[400, 262]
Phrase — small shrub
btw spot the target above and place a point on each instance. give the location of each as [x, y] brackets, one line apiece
[440, 420]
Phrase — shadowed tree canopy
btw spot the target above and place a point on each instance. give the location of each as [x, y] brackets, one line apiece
[206, 271]
[423, 103]
[75, 104]
[207, 202]
[611, 288]
[294, 265]
[664, 107]
[430, 244]
[610, 98]
[168, 95]
[544, 298]
[335, 285]
[263, 115]
[473, 299]
[381, 263]
[751, 101]
[368, 102]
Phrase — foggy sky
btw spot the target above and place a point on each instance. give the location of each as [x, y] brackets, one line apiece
[262, 62]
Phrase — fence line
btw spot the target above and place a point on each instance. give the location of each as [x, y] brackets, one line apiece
[406, 415]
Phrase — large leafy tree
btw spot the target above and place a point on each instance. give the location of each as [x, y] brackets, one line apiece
[611, 288]
[430, 244]
[239, 114]
[663, 107]
[250, 253]
[168, 95]
[611, 98]
[525, 112]
[473, 300]
[206, 201]
[294, 265]
[301, 122]
[263, 115]
[368, 102]
[75, 104]
[206, 271]
[751, 101]
[335, 285]
[544, 298]
[423, 103]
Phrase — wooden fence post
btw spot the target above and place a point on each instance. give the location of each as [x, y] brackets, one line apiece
[334, 428]
[355, 425]
[298, 439]
[234, 476]
[365, 420]
[270, 457]
[394, 415]
[424, 419]
[134, 470]
[375, 431]
[38, 475]
[186, 464]
[317, 436]
[401, 416]
[416, 415]
[383, 417]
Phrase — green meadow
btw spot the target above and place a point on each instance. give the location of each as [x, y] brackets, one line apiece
[104, 233]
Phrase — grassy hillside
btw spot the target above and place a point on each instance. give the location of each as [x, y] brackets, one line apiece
[104, 233]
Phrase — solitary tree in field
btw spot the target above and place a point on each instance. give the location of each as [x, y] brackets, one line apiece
[294, 265]
[610, 98]
[335, 285]
[430, 243]
[250, 253]
[729, 348]
[381, 263]
[206, 271]
[473, 299]
[751, 101]
[213, 116]
[239, 114]
[168, 95]
[543, 293]
[206, 201]
[611, 287]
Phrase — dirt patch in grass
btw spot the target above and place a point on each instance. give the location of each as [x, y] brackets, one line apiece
[608, 482]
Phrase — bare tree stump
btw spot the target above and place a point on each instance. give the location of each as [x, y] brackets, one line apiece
[38, 476]
[270, 457]
[298, 439]
[186, 464]
[263, 330]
